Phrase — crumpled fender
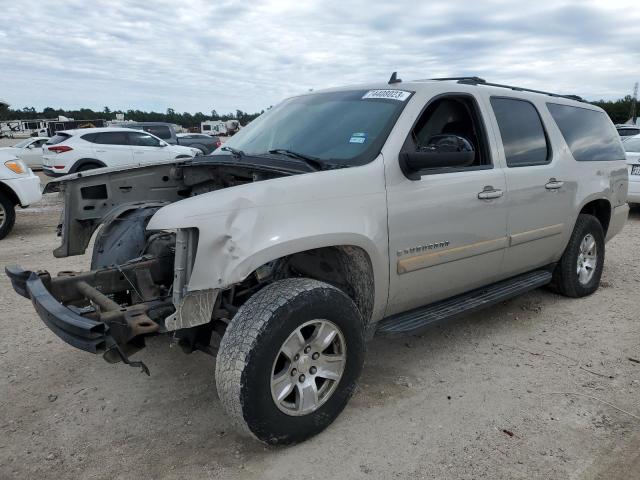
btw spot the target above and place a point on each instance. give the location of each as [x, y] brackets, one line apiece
[244, 227]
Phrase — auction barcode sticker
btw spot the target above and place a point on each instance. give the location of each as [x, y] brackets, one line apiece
[400, 95]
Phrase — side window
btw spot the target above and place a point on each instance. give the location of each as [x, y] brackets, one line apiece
[523, 136]
[90, 137]
[442, 121]
[161, 131]
[143, 139]
[112, 138]
[589, 134]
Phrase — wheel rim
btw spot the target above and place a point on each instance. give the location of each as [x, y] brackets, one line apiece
[3, 215]
[308, 367]
[587, 259]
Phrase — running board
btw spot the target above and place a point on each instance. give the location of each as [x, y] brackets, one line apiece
[420, 318]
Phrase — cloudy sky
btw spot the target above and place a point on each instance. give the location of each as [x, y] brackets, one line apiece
[224, 54]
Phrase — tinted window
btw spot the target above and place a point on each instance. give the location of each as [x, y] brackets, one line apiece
[89, 137]
[161, 131]
[627, 132]
[58, 138]
[112, 138]
[142, 139]
[523, 137]
[206, 127]
[632, 145]
[589, 134]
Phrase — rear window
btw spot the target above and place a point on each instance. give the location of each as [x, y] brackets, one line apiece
[161, 131]
[58, 138]
[523, 136]
[589, 134]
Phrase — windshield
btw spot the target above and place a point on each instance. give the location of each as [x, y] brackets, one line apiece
[632, 145]
[23, 143]
[346, 127]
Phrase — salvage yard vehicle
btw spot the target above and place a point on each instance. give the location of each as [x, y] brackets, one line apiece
[19, 186]
[29, 151]
[166, 131]
[336, 216]
[632, 148]
[72, 151]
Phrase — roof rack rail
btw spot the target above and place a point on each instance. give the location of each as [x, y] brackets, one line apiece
[482, 81]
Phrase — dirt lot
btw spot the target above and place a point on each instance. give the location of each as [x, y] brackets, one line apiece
[539, 387]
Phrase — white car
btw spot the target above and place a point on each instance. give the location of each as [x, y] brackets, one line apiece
[29, 151]
[18, 186]
[72, 151]
[632, 149]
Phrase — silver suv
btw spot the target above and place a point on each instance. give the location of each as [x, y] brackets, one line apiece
[336, 216]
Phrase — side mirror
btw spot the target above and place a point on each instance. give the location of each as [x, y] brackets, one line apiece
[31, 146]
[442, 151]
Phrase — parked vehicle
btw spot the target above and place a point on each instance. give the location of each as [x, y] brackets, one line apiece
[183, 137]
[220, 127]
[29, 151]
[627, 130]
[294, 243]
[632, 148]
[72, 151]
[205, 144]
[19, 186]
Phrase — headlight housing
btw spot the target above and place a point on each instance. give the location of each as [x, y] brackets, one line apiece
[16, 166]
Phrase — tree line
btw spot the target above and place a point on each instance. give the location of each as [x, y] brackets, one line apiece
[186, 119]
[619, 111]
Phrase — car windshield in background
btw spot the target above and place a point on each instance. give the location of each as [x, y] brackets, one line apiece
[347, 128]
[632, 145]
[23, 143]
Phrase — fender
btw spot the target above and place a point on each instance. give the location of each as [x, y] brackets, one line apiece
[244, 227]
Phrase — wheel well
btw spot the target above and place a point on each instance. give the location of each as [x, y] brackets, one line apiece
[9, 193]
[601, 209]
[86, 161]
[346, 267]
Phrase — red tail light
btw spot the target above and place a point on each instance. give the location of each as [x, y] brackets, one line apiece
[60, 148]
[218, 143]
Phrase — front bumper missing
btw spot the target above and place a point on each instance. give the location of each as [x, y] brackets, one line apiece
[96, 323]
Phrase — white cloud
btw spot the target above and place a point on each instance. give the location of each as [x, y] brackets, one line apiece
[199, 55]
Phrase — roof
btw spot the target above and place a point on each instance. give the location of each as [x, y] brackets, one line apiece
[78, 131]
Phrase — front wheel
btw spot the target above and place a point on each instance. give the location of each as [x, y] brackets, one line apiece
[580, 268]
[289, 360]
[7, 215]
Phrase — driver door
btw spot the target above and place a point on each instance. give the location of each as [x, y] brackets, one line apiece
[446, 236]
[147, 148]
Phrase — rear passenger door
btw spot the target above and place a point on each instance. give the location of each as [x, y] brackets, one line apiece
[113, 148]
[540, 185]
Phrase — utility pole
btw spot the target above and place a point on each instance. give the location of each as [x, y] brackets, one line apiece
[634, 103]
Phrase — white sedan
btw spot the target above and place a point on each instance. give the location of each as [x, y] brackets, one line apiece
[29, 151]
[18, 186]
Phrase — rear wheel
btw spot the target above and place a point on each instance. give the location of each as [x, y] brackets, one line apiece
[289, 360]
[7, 215]
[580, 268]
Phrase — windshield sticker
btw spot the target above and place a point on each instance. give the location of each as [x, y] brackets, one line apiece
[399, 95]
[359, 137]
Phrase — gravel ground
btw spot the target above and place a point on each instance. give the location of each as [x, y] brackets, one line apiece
[538, 387]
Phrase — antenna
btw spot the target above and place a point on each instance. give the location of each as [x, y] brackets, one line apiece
[634, 102]
[394, 78]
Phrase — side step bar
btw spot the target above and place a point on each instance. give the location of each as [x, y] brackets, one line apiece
[418, 319]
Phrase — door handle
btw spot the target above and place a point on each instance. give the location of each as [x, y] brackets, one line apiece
[489, 192]
[553, 184]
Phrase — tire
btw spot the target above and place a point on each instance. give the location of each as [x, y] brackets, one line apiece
[566, 278]
[251, 352]
[87, 166]
[7, 215]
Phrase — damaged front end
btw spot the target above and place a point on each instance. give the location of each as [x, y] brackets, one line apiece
[138, 284]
